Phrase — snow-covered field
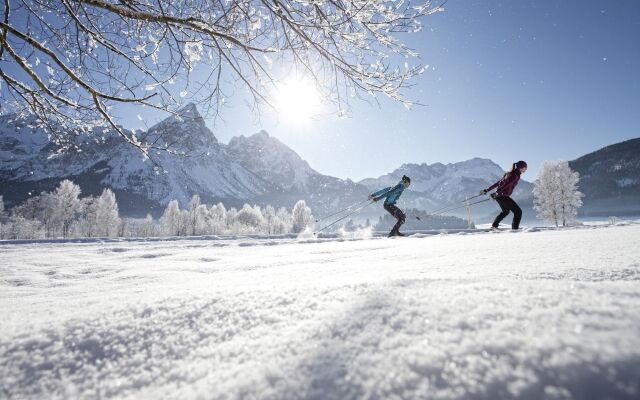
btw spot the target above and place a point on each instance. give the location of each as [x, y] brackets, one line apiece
[540, 314]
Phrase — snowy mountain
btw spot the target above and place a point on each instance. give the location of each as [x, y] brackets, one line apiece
[269, 158]
[256, 169]
[610, 179]
[260, 169]
[291, 177]
[440, 184]
[31, 162]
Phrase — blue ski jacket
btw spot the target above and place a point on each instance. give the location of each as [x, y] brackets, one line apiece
[391, 194]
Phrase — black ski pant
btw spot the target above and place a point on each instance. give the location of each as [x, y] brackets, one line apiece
[397, 214]
[507, 204]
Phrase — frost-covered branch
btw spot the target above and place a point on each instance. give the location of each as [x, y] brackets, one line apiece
[72, 61]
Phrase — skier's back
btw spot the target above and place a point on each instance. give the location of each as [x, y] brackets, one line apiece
[391, 196]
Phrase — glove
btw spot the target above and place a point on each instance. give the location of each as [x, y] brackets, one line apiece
[372, 197]
[483, 191]
[494, 195]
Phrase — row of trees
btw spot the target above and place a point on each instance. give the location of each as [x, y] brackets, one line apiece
[556, 195]
[63, 213]
[201, 219]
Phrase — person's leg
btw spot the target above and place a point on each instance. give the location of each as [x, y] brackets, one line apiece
[517, 213]
[397, 214]
[401, 217]
[505, 211]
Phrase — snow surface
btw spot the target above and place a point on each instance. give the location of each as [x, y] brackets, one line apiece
[539, 314]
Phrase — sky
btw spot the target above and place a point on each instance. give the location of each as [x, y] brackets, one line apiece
[508, 80]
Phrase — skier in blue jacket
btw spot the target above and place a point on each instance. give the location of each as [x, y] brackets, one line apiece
[391, 195]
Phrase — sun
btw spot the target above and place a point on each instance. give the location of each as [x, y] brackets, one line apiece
[296, 100]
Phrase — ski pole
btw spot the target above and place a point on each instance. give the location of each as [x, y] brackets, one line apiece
[346, 216]
[459, 207]
[454, 204]
[341, 211]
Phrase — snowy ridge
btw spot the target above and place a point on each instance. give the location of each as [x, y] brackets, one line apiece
[206, 169]
[291, 177]
[610, 179]
[269, 158]
[257, 169]
[446, 317]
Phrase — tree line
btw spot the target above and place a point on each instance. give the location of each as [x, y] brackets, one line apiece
[62, 213]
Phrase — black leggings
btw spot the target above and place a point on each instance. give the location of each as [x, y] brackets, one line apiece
[507, 204]
[397, 214]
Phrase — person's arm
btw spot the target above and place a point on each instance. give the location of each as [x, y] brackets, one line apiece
[495, 185]
[382, 193]
[386, 192]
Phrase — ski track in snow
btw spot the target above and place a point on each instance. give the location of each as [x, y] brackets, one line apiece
[539, 314]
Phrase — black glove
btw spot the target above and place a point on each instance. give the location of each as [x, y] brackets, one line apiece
[483, 191]
[494, 195]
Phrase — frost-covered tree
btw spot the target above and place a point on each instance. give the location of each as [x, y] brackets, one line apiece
[67, 205]
[87, 226]
[284, 222]
[123, 228]
[1, 207]
[195, 217]
[250, 218]
[230, 220]
[41, 208]
[147, 228]
[21, 228]
[217, 219]
[172, 221]
[301, 216]
[71, 60]
[106, 214]
[269, 216]
[556, 194]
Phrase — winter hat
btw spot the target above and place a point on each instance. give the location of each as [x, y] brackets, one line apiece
[521, 164]
[406, 179]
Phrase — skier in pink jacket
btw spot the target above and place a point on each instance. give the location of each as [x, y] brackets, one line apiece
[505, 187]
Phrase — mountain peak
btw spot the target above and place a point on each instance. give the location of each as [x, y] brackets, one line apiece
[262, 134]
[189, 110]
[185, 130]
[269, 158]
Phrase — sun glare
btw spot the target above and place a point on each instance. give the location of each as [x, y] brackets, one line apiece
[296, 100]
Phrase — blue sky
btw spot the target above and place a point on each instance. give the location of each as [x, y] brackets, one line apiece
[509, 80]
